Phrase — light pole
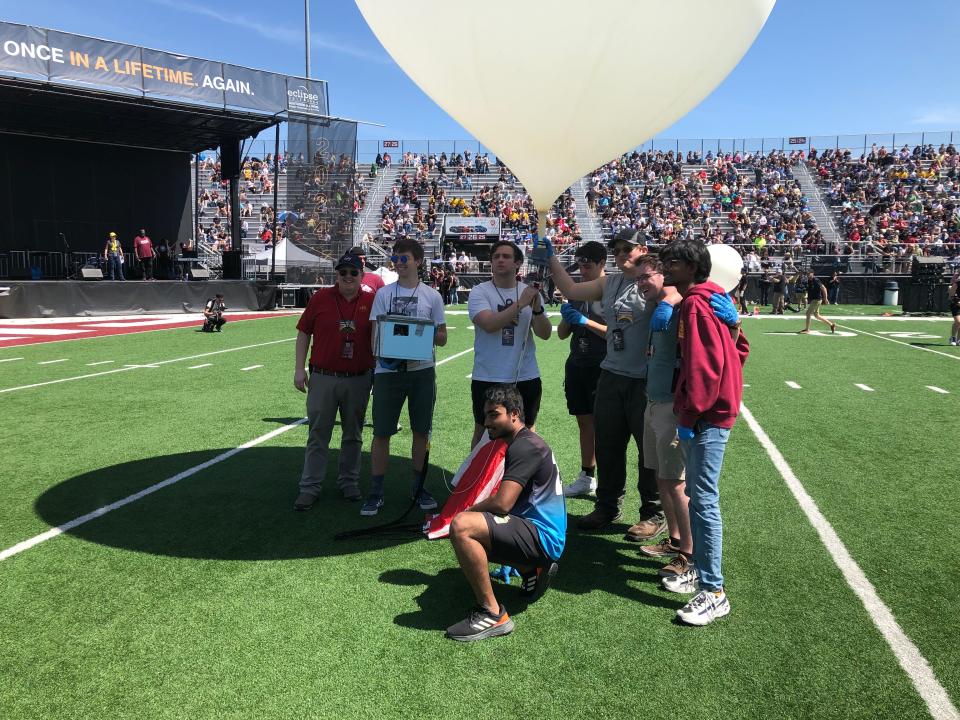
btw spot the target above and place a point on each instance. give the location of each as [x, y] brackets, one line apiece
[306, 32]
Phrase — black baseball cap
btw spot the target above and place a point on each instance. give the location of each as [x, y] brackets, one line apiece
[628, 235]
[592, 251]
[349, 260]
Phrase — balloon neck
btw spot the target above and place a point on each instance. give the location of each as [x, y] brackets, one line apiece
[542, 223]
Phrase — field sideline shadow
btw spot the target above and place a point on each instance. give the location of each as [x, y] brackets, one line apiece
[239, 509]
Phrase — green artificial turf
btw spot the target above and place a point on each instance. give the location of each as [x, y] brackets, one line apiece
[211, 598]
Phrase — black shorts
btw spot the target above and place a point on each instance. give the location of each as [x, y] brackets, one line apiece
[530, 391]
[955, 309]
[580, 387]
[514, 541]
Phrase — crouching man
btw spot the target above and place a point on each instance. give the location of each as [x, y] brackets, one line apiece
[523, 525]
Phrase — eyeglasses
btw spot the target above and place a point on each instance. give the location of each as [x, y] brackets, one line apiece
[399, 259]
[351, 272]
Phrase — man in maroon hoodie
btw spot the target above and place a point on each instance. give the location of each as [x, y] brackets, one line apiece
[706, 403]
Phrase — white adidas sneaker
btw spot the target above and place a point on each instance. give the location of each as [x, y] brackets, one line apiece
[583, 486]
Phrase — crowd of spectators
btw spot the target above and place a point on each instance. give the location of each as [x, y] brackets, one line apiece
[893, 205]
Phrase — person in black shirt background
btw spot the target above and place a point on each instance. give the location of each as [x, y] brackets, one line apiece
[816, 294]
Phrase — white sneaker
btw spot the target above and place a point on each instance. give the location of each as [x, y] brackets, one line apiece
[685, 582]
[953, 341]
[705, 607]
[584, 485]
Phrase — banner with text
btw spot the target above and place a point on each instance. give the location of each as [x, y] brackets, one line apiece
[68, 59]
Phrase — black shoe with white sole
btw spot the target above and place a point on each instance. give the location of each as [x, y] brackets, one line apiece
[480, 624]
[535, 583]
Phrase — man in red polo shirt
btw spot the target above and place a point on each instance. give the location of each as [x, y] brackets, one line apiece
[338, 321]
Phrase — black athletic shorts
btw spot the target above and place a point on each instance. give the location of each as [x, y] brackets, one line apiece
[955, 309]
[530, 391]
[514, 541]
[580, 387]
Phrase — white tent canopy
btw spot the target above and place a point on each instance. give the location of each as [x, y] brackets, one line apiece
[290, 254]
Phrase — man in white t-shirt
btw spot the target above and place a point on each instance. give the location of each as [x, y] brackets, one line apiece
[399, 381]
[503, 312]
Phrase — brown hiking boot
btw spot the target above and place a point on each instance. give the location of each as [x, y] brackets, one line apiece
[599, 518]
[679, 565]
[646, 529]
[665, 548]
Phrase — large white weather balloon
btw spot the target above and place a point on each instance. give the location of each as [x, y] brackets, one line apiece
[556, 88]
[726, 266]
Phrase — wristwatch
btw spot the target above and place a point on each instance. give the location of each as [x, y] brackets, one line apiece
[538, 313]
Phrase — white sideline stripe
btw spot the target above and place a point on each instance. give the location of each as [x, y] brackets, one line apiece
[252, 367]
[9, 359]
[900, 342]
[792, 384]
[865, 388]
[69, 525]
[52, 362]
[197, 367]
[102, 362]
[914, 664]
[938, 390]
[60, 529]
[159, 362]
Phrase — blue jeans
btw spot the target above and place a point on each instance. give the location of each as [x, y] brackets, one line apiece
[115, 267]
[704, 458]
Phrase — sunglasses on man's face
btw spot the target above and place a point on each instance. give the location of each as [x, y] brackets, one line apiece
[351, 272]
[399, 259]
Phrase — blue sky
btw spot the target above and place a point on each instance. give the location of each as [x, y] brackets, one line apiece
[817, 68]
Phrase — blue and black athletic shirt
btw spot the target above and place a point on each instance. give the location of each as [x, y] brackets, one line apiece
[530, 463]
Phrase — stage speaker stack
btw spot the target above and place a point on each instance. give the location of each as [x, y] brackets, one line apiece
[199, 274]
[232, 266]
[927, 290]
[89, 273]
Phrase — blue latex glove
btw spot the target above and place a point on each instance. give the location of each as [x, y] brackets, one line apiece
[724, 309]
[388, 363]
[661, 317]
[545, 243]
[684, 433]
[572, 316]
[504, 573]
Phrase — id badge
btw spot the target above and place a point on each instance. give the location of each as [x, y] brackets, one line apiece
[507, 335]
[346, 350]
[618, 341]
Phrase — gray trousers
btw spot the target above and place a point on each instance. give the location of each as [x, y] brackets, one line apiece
[618, 416]
[326, 396]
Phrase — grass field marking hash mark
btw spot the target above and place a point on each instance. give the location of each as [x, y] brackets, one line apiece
[157, 363]
[101, 362]
[792, 384]
[865, 388]
[938, 389]
[10, 359]
[99, 512]
[52, 362]
[900, 342]
[252, 367]
[914, 664]
[197, 367]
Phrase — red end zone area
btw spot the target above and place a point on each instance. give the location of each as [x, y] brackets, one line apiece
[29, 331]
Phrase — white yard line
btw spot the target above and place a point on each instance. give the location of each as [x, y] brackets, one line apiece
[252, 367]
[101, 362]
[125, 369]
[792, 384]
[900, 342]
[9, 359]
[197, 367]
[914, 664]
[938, 390]
[865, 388]
[53, 362]
[99, 512]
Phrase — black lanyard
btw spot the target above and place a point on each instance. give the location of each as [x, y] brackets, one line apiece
[396, 293]
[502, 298]
[353, 320]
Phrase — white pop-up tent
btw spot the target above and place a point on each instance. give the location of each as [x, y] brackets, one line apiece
[290, 254]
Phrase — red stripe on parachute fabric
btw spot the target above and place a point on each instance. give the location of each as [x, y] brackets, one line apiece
[477, 479]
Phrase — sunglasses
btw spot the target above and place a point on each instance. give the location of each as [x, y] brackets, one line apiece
[351, 272]
[399, 259]
[623, 249]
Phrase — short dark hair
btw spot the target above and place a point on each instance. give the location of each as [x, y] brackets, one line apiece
[409, 245]
[517, 252]
[506, 395]
[690, 252]
[652, 261]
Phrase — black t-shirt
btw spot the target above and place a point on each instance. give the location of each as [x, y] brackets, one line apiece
[780, 283]
[587, 349]
[530, 462]
[815, 290]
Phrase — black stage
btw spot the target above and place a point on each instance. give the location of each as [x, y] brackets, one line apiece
[67, 298]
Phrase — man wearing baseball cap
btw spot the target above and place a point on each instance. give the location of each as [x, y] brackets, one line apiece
[113, 257]
[337, 319]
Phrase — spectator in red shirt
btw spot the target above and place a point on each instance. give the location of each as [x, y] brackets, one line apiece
[338, 321]
[143, 251]
[371, 281]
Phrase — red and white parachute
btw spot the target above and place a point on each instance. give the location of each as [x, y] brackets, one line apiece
[477, 479]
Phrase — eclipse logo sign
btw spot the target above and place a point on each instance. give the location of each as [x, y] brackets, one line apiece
[302, 100]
